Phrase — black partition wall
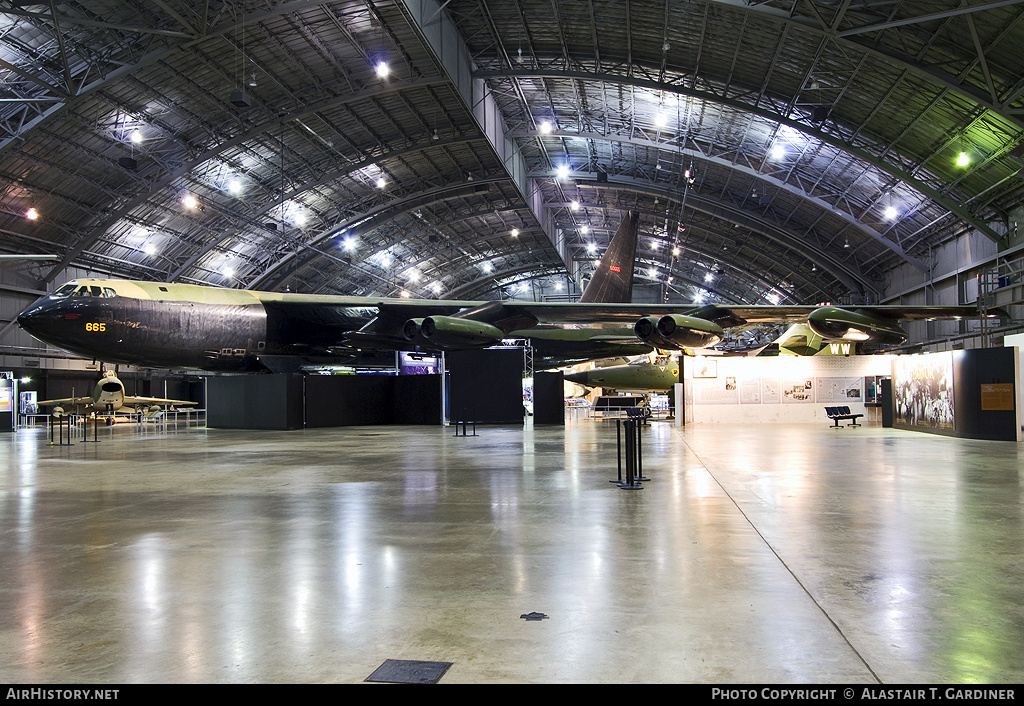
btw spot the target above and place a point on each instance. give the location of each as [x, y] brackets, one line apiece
[486, 386]
[294, 401]
[349, 400]
[254, 402]
[549, 398]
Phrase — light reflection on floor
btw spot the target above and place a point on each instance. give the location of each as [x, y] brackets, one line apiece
[755, 554]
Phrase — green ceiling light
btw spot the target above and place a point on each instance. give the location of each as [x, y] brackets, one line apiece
[962, 159]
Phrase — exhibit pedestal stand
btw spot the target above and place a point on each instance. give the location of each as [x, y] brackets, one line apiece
[464, 424]
[85, 431]
[60, 430]
[633, 455]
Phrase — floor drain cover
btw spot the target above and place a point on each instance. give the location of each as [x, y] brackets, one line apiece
[533, 616]
[409, 671]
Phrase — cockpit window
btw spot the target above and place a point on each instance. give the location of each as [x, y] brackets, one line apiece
[83, 291]
[108, 292]
[66, 290]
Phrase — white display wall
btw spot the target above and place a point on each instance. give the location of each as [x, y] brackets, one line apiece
[776, 390]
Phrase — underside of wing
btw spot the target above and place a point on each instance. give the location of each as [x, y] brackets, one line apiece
[131, 401]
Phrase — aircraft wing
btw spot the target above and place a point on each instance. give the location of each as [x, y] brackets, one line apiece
[725, 315]
[133, 401]
[576, 315]
[66, 402]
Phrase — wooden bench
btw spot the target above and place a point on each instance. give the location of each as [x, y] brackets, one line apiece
[836, 414]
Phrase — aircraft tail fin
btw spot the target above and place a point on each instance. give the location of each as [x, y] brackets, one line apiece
[799, 339]
[612, 282]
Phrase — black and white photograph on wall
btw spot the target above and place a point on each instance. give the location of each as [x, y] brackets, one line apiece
[922, 388]
[797, 390]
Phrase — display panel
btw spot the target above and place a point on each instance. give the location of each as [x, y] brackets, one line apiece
[839, 390]
[922, 388]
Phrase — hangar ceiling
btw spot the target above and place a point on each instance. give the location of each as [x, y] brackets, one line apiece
[783, 151]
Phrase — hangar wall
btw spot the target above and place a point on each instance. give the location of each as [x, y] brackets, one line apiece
[952, 278]
[776, 390]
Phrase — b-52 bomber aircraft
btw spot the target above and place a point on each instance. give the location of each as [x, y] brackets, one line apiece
[168, 325]
[108, 397]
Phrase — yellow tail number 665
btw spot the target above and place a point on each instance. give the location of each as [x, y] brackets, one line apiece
[95, 327]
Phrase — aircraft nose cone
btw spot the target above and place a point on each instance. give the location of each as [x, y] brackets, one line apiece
[47, 321]
[578, 378]
[33, 318]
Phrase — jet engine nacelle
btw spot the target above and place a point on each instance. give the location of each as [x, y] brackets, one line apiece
[678, 331]
[451, 333]
[646, 329]
[831, 322]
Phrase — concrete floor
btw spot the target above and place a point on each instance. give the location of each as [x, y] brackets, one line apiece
[757, 554]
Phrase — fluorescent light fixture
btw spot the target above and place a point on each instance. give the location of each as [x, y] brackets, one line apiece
[562, 170]
[32, 214]
[891, 213]
[515, 232]
[136, 136]
[778, 152]
[190, 201]
[235, 186]
[963, 159]
[545, 127]
[383, 69]
[381, 183]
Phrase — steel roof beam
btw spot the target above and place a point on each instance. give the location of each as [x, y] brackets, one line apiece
[785, 186]
[853, 280]
[887, 167]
